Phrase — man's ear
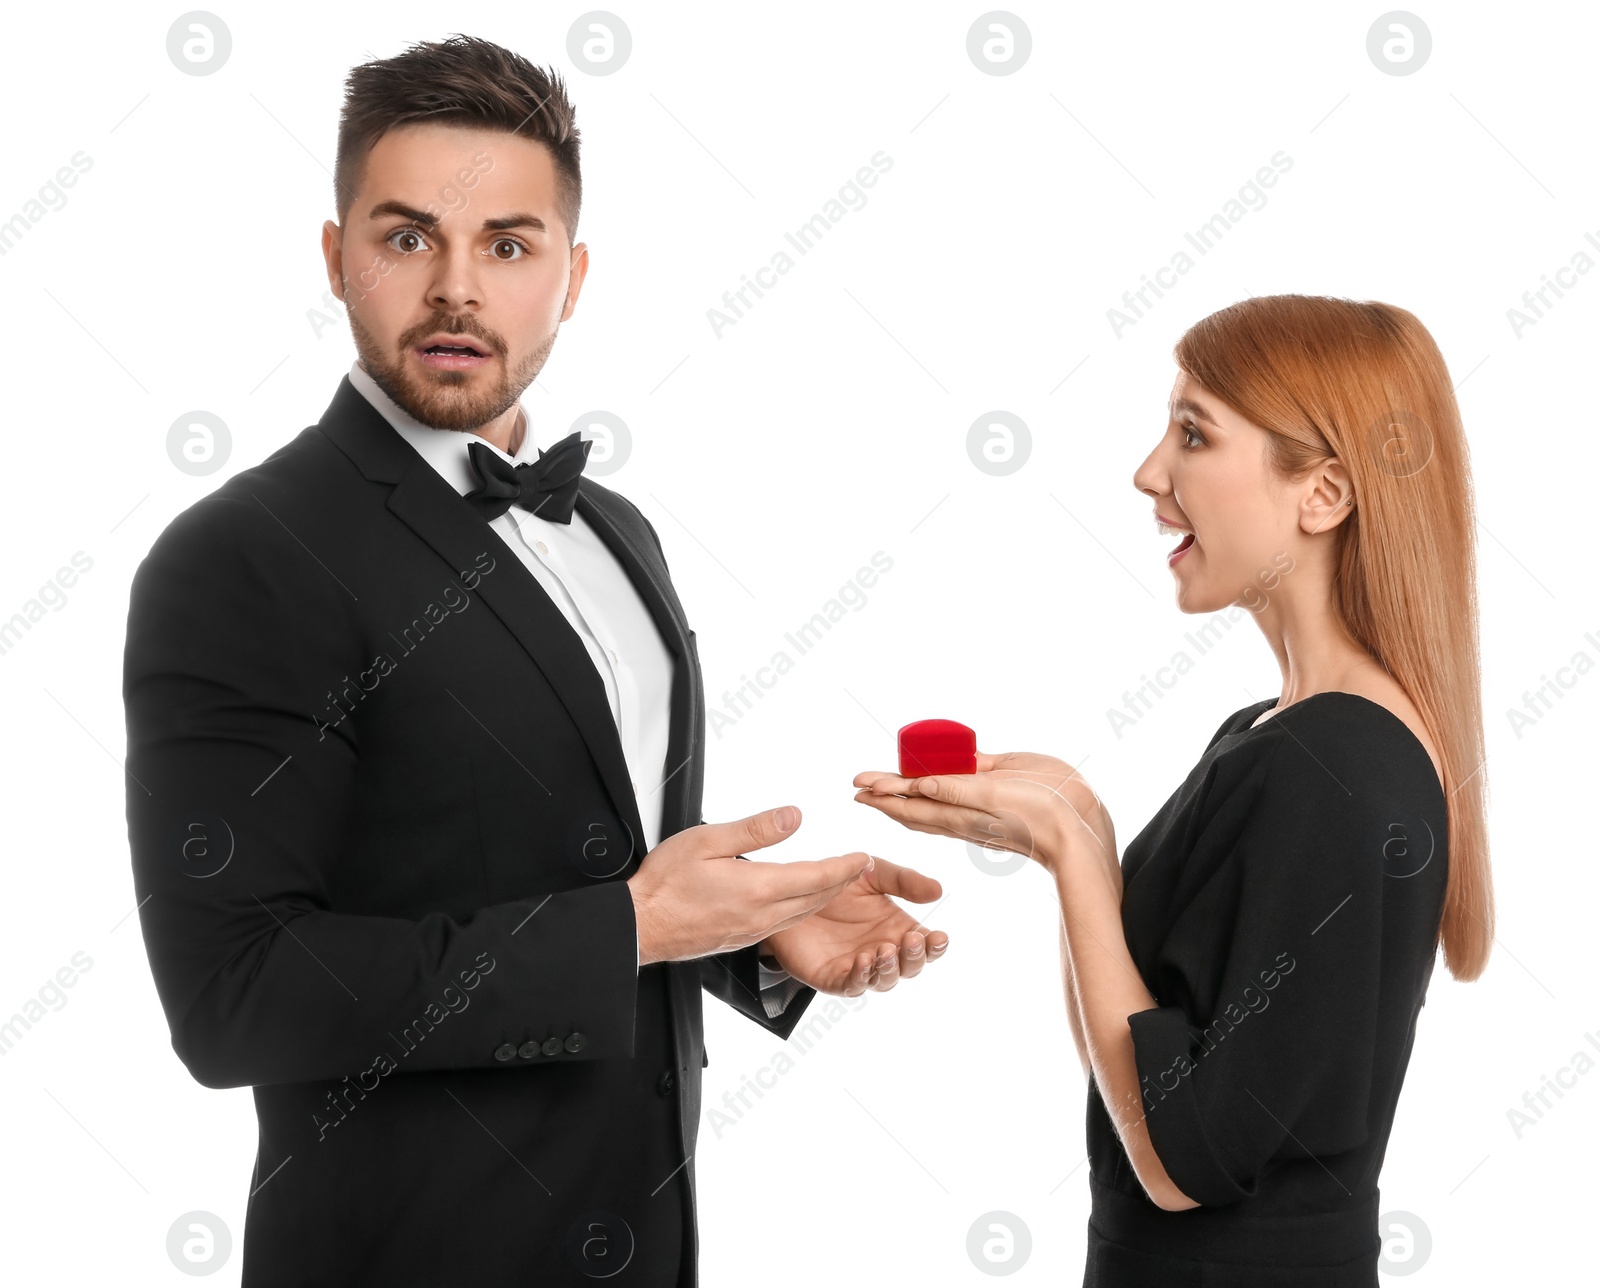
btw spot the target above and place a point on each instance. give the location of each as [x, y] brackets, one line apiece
[333, 257]
[1329, 497]
[577, 270]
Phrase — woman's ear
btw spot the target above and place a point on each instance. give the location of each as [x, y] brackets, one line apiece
[1329, 498]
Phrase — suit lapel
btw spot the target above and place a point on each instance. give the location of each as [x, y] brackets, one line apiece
[645, 570]
[432, 509]
[648, 573]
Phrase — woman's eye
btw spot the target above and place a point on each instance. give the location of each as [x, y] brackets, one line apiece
[1189, 432]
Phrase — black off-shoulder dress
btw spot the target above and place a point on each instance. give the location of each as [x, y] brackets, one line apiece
[1282, 908]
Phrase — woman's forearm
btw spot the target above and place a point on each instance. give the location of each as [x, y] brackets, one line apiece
[1069, 987]
[1109, 989]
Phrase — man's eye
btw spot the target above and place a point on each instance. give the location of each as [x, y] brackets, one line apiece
[406, 232]
[512, 242]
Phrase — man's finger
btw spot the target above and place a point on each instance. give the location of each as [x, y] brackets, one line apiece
[862, 972]
[799, 907]
[886, 968]
[809, 876]
[720, 840]
[913, 953]
[904, 883]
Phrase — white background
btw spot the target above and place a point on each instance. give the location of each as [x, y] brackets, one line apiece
[830, 423]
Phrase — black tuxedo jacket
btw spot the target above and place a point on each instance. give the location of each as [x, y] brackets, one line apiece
[381, 824]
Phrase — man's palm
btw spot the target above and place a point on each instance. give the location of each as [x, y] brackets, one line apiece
[861, 938]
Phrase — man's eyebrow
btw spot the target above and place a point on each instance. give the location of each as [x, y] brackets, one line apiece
[425, 220]
[1199, 412]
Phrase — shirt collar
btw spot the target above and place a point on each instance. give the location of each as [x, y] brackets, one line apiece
[444, 449]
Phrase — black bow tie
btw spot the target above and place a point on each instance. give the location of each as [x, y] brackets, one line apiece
[547, 487]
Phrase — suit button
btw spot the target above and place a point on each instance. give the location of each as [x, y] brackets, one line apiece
[666, 1082]
[504, 1051]
[528, 1050]
[552, 1046]
[575, 1042]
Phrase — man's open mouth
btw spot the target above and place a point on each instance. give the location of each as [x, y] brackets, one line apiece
[444, 351]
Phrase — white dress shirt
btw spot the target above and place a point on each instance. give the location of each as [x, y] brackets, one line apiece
[592, 589]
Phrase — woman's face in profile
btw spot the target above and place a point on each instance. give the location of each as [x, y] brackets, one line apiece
[1209, 479]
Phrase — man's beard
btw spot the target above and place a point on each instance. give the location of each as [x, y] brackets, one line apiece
[448, 399]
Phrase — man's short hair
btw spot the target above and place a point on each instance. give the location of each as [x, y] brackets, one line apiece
[458, 81]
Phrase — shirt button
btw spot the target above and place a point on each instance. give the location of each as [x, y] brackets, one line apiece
[528, 1050]
[504, 1051]
[575, 1042]
[665, 1083]
[552, 1046]
[541, 547]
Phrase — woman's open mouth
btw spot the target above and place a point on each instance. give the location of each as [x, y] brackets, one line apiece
[1182, 547]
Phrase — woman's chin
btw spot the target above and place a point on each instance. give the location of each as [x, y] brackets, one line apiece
[1195, 596]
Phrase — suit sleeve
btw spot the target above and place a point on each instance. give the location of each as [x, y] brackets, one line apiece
[734, 978]
[237, 798]
[1284, 1065]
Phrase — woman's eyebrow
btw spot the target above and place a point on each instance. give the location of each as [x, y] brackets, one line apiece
[1199, 412]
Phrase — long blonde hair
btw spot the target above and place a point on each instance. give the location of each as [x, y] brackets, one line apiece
[1365, 382]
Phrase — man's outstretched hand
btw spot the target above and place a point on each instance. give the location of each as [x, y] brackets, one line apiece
[861, 938]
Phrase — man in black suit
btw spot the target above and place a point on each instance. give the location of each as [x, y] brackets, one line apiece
[415, 752]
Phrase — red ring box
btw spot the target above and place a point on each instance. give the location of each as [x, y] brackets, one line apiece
[930, 747]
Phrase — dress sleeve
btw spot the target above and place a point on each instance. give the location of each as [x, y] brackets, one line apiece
[1272, 1051]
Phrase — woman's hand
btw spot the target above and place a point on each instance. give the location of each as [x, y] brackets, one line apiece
[1017, 801]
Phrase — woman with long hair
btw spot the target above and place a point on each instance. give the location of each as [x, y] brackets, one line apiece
[1243, 987]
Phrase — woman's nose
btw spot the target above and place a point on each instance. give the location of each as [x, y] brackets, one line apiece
[1149, 478]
